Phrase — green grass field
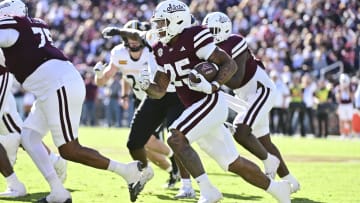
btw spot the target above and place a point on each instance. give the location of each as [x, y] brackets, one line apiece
[328, 171]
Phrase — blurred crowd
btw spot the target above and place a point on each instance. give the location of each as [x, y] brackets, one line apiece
[296, 39]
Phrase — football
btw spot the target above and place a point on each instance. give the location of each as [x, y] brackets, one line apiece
[207, 69]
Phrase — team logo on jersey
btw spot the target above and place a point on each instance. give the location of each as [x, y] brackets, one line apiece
[122, 62]
[174, 8]
[160, 52]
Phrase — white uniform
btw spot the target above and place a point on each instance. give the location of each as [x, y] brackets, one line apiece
[260, 95]
[57, 85]
[131, 68]
[11, 122]
[60, 93]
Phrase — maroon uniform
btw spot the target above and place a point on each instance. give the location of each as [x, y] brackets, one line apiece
[178, 60]
[33, 47]
[236, 45]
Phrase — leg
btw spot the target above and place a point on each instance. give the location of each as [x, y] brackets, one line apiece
[15, 188]
[228, 158]
[145, 121]
[191, 161]
[186, 190]
[159, 160]
[282, 171]
[185, 153]
[244, 137]
[31, 141]
[154, 144]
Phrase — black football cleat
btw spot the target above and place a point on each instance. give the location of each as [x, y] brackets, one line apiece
[134, 190]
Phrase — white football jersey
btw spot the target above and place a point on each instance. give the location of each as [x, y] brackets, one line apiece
[131, 68]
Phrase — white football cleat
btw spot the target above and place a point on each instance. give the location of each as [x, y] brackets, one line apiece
[280, 190]
[294, 183]
[55, 197]
[213, 196]
[133, 179]
[60, 167]
[18, 190]
[271, 165]
[186, 193]
[146, 176]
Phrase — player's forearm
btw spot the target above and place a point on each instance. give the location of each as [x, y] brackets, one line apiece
[155, 91]
[226, 71]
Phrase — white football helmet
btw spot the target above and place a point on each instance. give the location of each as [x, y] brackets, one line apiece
[219, 24]
[344, 80]
[136, 24]
[13, 8]
[170, 18]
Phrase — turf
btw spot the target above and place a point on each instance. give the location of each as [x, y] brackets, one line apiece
[327, 169]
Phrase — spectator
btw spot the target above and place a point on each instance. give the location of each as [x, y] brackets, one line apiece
[323, 101]
[296, 105]
[88, 113]
[113, 110]
[278, 112]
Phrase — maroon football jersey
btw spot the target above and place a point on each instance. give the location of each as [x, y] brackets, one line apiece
[33, 47]
[235, 45]
[180, 58]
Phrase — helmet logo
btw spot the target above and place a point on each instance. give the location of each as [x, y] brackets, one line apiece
[223, 19]
[174, 8]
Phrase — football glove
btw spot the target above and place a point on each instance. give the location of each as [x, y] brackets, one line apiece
[202, 86]
[109, 32]
[99, 69]
[144, 79]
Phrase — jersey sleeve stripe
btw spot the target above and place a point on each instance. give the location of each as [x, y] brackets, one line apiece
[200, 34]
[203, 38]
[7, 21]
[238, 49]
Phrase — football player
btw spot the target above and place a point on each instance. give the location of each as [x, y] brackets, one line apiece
[10, 129]
[44, 71]
[130, 58]
[344, 95]
[181, 47]
[252, 85]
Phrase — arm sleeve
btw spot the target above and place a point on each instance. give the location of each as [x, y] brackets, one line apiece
[8, 37]
[206, 51]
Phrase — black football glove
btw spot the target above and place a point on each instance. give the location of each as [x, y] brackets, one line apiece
[109, 32]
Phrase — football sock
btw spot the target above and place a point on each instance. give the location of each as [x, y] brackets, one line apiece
[186, 182]
[12, 180]
[203, 182]
[117, 167]
[31, 141]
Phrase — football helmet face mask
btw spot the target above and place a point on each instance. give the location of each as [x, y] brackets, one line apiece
[136, 24]
[12, 8]
[133, 45]
[170, 18]
[219, 24]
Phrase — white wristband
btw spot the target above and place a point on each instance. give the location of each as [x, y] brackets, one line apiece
[216, 84]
